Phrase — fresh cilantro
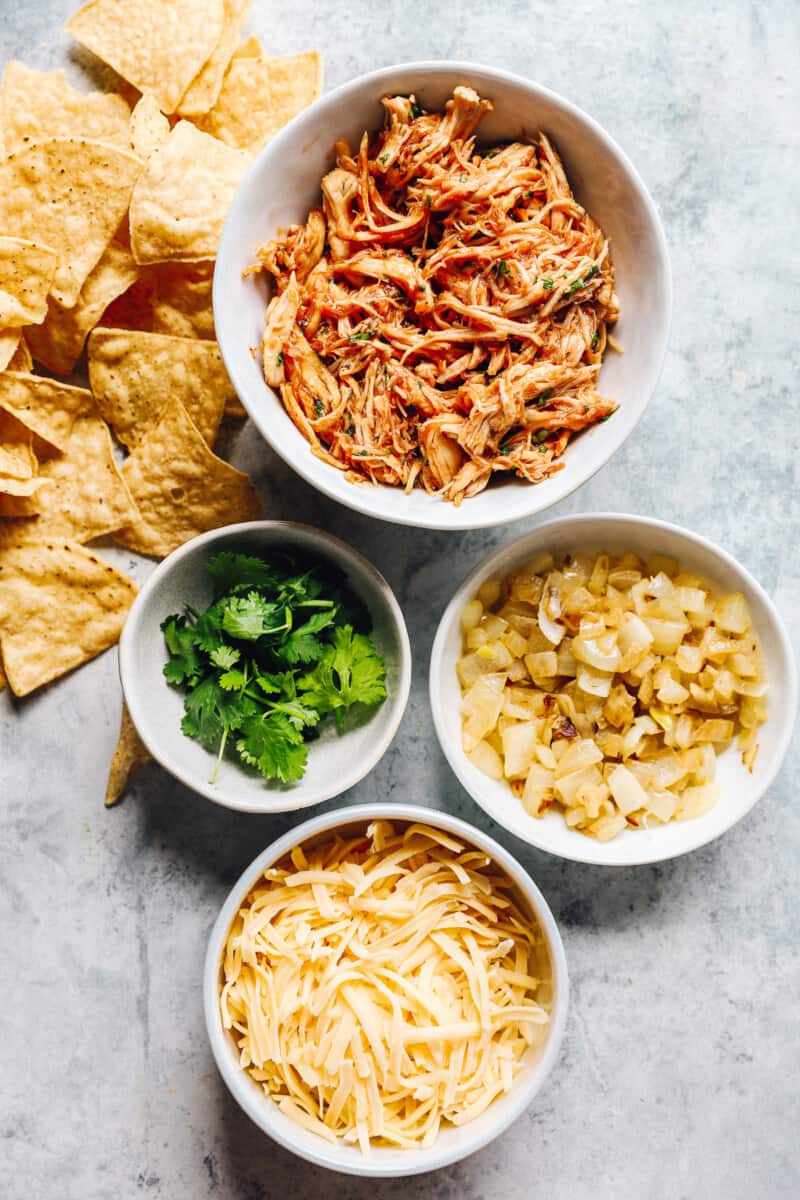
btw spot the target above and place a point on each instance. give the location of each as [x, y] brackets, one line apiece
[384, 158]
[319, 409]
[543, 397]
[539, 436]
[595, 340]
[416, 111]
[502, 268]
[362, 335]
[279, 358]
[547, 284]
[282, 645]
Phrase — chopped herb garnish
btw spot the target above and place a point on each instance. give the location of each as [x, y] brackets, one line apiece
[463, 178]
[543, 397]
[590, 274]
[319, 408]
[281, 646]
[362, 335]
[361, 454]
[416, 111]
[384, 158]
[605, 418]
[502, 267]
[547, 284]
[528, 194]
[595, 340]
[350, 430]
[574, 286]
[539, 436]
[427, 200]
[279, 359]
[505, 449]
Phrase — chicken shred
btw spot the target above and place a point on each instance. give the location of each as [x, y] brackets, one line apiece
[444, 316]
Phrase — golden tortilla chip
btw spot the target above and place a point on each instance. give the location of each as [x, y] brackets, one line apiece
[36, 106]
[158, 47]
[21, 358]
[130, 752]
[22, 487]
[167, 298]
[70, 194]
[17, 457]
[57, 344]
[59, 607]
[250, 48]
[133, 375]
[182, 196]
[149, 126]
[181, 488]
[26, 273]
[204, 88]
[10, 340]
[45, 407]
[260, 95]
[88, 497]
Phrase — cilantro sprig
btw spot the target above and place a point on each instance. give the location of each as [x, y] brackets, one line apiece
[282, 648]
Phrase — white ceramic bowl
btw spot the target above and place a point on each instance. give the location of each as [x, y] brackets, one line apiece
[284, 183]
[335, 762]
[452, 1144]
[739, 790]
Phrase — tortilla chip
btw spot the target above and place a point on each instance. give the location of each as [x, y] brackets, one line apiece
[182, 196]
[250, 48]
[21, 358]
[59, 607]
[22, 487]
[157, 47]
[149, 126]
[57, 344]
[9, 346]
[260, 95]
[202, 92]
[17, 457]
[45, 407]
[3, 680]
[167, 298]
[133, 375]
[26, 273]
[70, 194]
[181, 488]
[129, 753]
[88, 498]
[36, 106]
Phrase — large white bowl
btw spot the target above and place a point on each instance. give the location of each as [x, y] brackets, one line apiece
[739, 790]
[335, 762]
[452, 1144]
[284, 183]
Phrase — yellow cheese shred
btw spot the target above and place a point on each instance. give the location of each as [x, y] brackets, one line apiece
[381, 987]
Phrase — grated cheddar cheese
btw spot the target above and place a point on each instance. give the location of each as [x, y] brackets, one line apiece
[382, 986]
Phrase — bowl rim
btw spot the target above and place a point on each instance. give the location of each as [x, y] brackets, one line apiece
[586, 849]
[307, 466]
[259, 1112]
[343, 553]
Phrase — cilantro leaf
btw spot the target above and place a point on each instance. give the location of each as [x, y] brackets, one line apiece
[211, 713]
[274, 746]
[301, 646]
[349, 672]
[239, 572]
[225, 656]
[184, 664]
[250, 617]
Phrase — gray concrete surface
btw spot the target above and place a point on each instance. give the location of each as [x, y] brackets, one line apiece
[679, 1074]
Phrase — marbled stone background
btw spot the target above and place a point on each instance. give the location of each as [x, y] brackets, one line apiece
[679, 1074]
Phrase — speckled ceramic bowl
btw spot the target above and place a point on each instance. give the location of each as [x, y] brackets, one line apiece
[284, 183]
[335, 762]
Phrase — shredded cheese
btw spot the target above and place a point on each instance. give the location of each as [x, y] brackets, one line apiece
[380, 987]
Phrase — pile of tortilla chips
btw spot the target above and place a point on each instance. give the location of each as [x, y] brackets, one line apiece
[111, 209]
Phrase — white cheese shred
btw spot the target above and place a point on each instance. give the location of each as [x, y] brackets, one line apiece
[382, 987]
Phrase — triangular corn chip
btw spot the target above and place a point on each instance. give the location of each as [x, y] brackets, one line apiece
[149, 126]
[133, 375]
[180, 487]
[182, 196]
[167, 298]
[158, 47]
[26, 275]
[129, 753]
[70, 194]
[17, 456]
[36, 106]
[60, 606]
[57, 344]
[204, 88]
[261, 95]
[46, 407]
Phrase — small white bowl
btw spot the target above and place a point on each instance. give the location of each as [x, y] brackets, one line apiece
[335, 762]
[284, 183]
[452, 1144]
[739, 790]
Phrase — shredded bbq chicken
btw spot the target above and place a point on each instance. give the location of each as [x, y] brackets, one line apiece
[443, 317]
